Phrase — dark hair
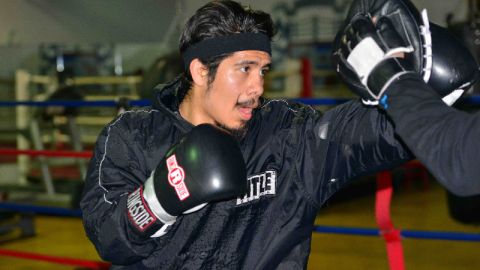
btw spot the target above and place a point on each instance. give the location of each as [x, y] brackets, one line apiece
[216, 19]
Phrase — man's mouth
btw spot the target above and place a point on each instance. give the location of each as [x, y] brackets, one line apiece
[245, 113]
[246, 108]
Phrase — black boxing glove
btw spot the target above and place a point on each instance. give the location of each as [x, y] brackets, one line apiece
[438, 57]
[370, 52]
[205, 166]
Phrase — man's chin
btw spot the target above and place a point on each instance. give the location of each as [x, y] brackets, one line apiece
[238, 132]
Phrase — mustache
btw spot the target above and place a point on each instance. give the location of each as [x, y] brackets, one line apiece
[253, 103]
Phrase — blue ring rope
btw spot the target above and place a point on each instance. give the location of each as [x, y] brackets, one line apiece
[431, 235]
[471, 100]
[37, 209]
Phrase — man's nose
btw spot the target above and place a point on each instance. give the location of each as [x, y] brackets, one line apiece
[256, 85]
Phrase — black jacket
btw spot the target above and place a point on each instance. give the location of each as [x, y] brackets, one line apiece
[445, 140]
[296, 159]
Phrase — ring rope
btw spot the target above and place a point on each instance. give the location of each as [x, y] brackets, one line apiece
[47, 153]
[37, 209]
[472, 100]
[430, 235]
[55, 259]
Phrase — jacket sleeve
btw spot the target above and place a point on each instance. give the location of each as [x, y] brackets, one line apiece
[348, 141]
[117, 168]
[444, 139]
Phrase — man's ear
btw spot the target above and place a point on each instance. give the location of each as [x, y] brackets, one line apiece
[199, 72]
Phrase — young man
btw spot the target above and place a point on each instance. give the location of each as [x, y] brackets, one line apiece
[153, 198]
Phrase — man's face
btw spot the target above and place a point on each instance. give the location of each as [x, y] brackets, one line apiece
[230, 99]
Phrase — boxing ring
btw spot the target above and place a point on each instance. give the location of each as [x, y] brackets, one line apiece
[384, 192]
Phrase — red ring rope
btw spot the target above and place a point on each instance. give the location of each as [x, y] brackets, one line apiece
[54, 259]
[49, 153]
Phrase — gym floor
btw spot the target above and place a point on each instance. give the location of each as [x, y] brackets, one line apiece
[412, 209]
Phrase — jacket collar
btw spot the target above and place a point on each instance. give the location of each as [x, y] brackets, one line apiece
[167, 101]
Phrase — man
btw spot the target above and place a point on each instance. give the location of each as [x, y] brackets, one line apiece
[441, 137]
[151, 200]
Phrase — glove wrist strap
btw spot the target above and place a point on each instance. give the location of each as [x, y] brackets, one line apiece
[383, 75]
[151, 198]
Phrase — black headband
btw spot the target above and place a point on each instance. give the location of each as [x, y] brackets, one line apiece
[226, 44]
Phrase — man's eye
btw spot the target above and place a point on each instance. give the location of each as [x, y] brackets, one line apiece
[263, 72]
[245, 69]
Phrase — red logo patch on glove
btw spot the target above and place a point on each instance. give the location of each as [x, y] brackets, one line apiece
[176, 175]
[138, 211]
